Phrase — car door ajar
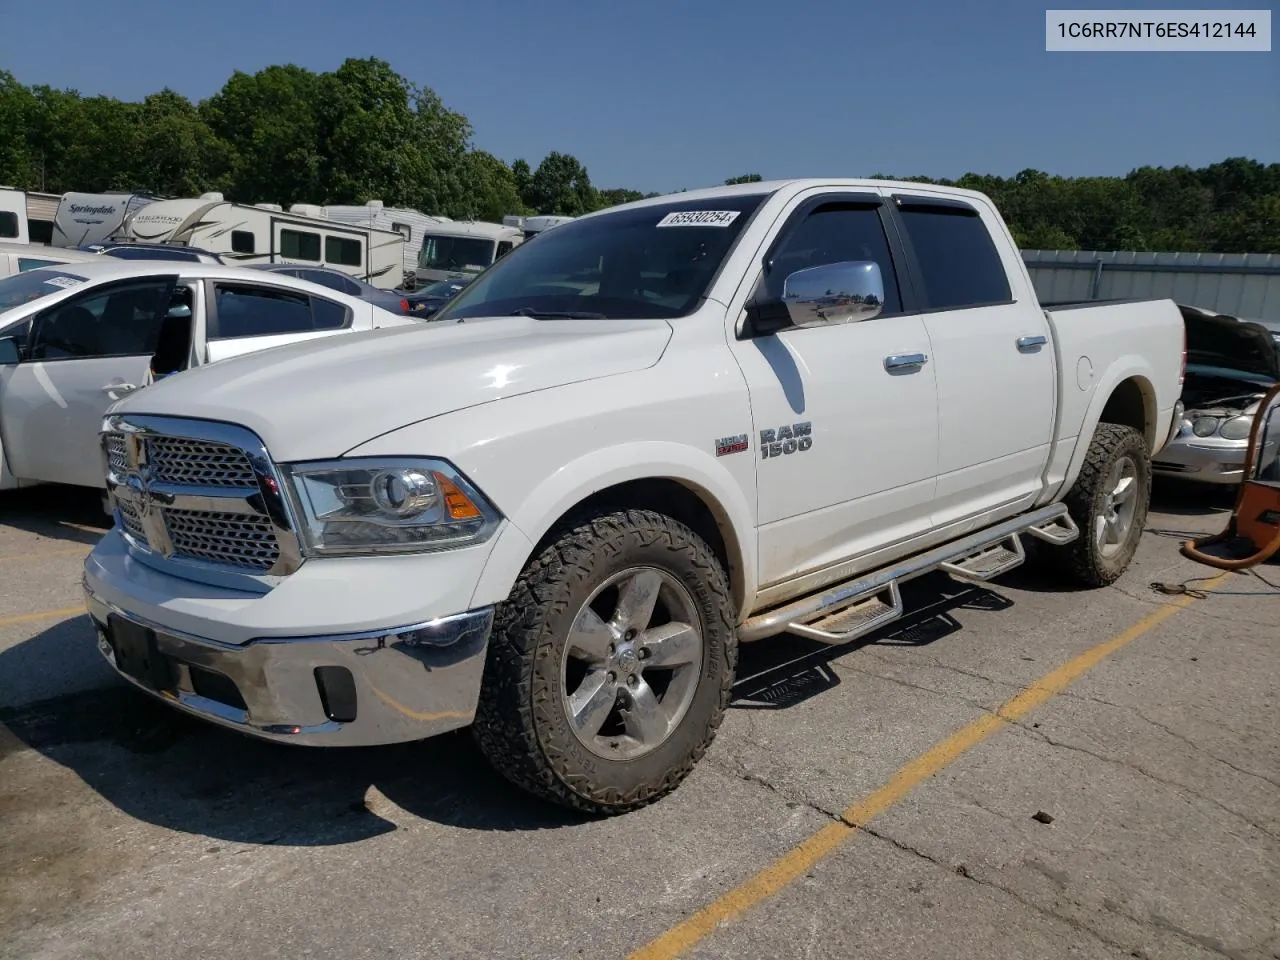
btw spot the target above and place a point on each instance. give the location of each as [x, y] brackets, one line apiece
[846, 415]
[992, 358]
[81, 356]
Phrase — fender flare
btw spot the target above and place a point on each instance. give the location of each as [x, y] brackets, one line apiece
[1127, 367]
[576, 480]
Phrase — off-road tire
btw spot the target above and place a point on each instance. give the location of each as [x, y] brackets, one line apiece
[1082, 561]
[521, 727]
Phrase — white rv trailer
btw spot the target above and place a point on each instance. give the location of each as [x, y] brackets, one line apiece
[266, 233]
[84, 218]
[532, 226]
[410, 223]
[458, 248]
[26, 216]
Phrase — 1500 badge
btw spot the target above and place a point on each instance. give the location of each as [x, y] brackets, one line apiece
[786, 439]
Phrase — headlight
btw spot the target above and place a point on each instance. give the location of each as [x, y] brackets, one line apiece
[1204, 426]
[1237, 428]
[394, 505]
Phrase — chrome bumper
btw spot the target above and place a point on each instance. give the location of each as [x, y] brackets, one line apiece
[388, 686]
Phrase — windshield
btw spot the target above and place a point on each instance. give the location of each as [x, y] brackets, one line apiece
[455, 253]
[651, 261]
[33, 284]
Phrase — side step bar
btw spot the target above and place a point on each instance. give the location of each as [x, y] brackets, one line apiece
[856, 607]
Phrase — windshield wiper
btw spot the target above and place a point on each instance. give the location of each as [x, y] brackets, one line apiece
[556, 314]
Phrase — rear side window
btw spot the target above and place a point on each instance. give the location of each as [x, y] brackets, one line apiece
[242, 241]
[343, 250]
[297, 245]
[328, 315]
[27, 263]
[251, 311]
[8, 224]
[959, 264]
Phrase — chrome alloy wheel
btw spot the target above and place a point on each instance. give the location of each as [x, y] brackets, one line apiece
[632, 663]
[1119, 505]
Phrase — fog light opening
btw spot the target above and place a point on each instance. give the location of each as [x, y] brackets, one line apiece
[337, 688]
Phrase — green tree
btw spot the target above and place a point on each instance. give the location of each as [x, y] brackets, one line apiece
[562, 187]
[745, 178]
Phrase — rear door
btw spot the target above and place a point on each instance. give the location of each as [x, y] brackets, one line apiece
[245, 316]
[81, 356]
[992, 355]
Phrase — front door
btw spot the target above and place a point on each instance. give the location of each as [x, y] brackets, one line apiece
[82, 355]
[845, 444]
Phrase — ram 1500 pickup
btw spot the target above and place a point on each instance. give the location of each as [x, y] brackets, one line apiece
[655, 433]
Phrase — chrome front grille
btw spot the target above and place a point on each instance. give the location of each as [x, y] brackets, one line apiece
[198, 494]
[230, 538]
[200, 463]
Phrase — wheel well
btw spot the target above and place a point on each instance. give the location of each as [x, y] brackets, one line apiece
[1132, 404]
[696, 509]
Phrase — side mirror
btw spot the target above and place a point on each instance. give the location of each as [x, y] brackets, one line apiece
[9, 352]
[847, 292]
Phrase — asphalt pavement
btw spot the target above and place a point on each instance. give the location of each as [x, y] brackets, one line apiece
[1017, 770]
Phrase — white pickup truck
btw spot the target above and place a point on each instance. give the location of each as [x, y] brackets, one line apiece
[658, 432]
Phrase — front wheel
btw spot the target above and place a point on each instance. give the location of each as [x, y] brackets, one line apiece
[1109, 503]
[610, 664]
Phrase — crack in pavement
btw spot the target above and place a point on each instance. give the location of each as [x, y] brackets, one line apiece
[1154, 922]
[1198, 747]
[1138, 768]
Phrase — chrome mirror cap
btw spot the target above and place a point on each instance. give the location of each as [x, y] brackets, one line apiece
[847, 292]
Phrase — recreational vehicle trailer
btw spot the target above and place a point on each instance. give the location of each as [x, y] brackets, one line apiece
[410, 223]
[267, 233]
[459, 248]
[27, 217]
[87, 218]
[532, 226]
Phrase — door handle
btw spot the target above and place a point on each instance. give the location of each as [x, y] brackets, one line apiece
[1026, 343]
[119, 387]
[900, 361]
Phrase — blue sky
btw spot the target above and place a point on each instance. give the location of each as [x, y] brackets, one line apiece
[664, 95]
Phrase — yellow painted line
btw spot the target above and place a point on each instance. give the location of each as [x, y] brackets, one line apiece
[800, 860]
[60, 614]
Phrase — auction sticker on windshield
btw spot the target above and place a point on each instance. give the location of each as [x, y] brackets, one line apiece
[699, 218]
[64, 281]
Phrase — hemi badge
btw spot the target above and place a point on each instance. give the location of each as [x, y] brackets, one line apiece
[728, 445]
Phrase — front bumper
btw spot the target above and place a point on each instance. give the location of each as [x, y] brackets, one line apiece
[344, 652]
[1207, 460]
[378, 687]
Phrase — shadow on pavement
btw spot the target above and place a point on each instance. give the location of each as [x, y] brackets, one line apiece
[164, 768]
[786, 670]
[73, 514]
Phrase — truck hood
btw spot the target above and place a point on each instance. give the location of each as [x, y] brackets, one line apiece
[322, 397]
[1220, 340]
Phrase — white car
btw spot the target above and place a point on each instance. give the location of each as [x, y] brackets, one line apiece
[78, 336]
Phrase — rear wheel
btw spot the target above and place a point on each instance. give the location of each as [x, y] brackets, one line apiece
[610, 664]
[1109, 503]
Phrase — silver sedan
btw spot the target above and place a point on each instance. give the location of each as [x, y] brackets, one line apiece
[1230, 364]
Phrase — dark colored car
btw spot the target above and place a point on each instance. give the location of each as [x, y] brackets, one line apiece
[153, 251]
[343, 283]
[429, 299]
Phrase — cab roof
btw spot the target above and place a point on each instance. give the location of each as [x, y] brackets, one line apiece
[794, 184]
